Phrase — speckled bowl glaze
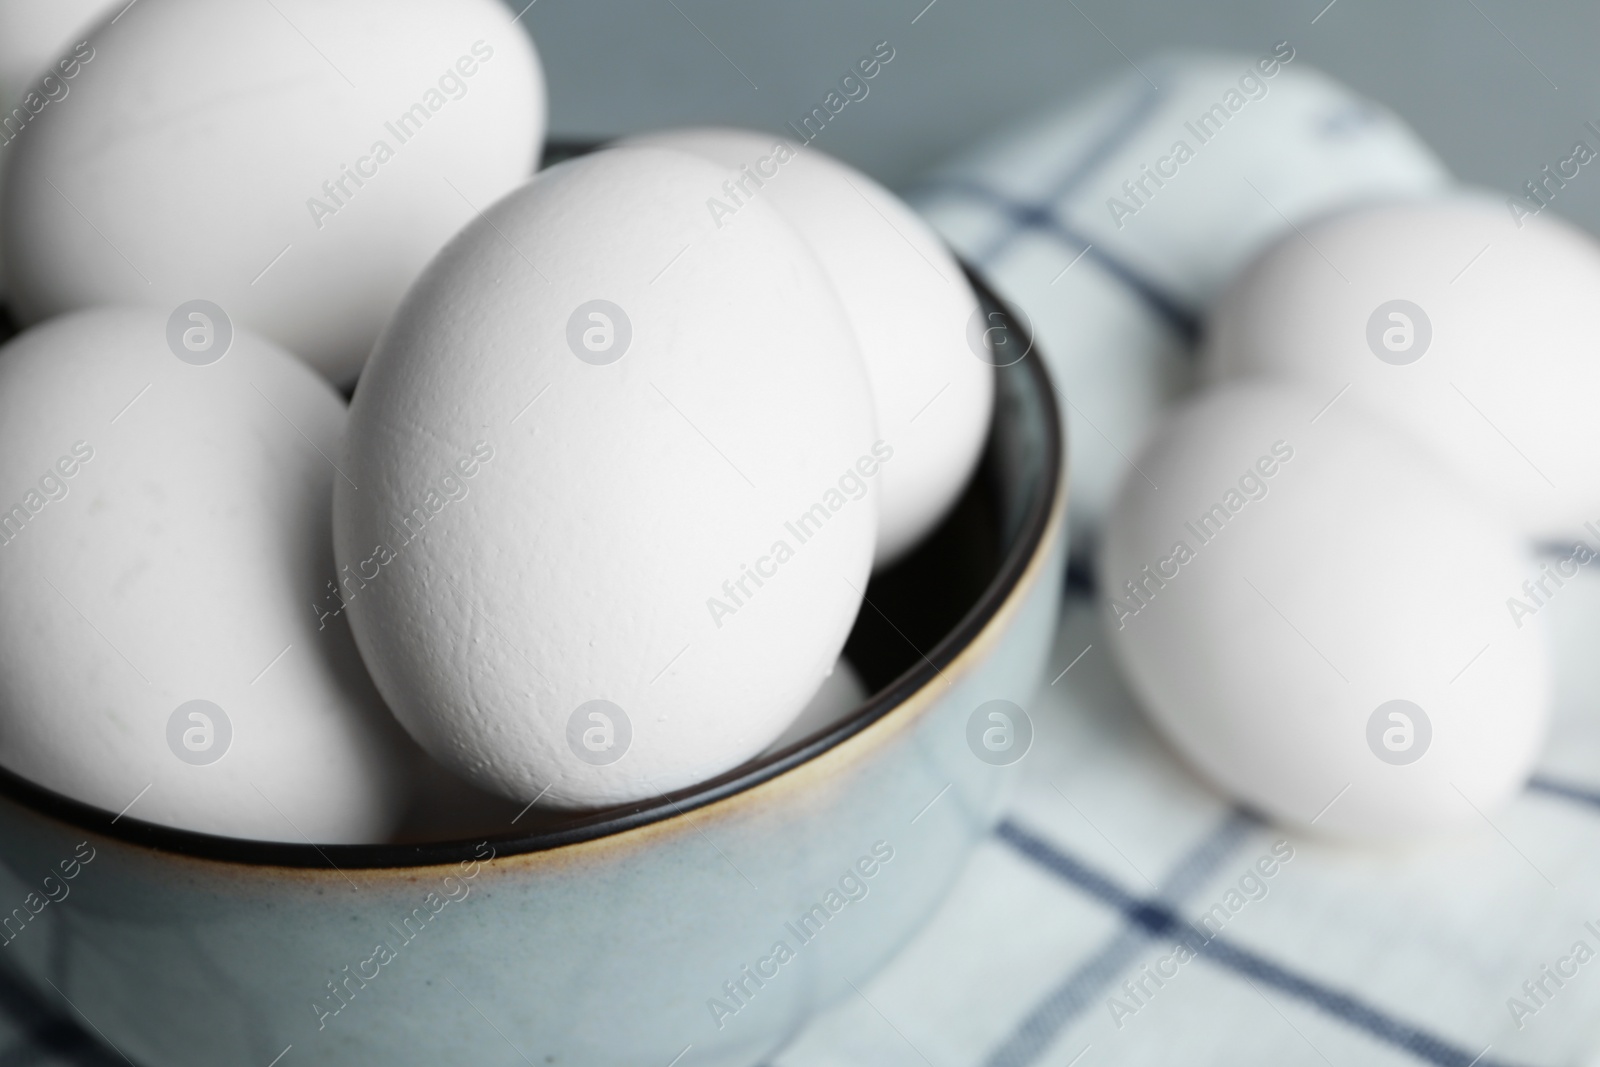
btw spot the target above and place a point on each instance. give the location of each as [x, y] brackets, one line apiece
[708, 926]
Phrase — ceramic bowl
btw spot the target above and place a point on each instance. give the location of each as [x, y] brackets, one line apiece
[701, 929]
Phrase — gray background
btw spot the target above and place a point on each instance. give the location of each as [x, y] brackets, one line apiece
[1498, 88]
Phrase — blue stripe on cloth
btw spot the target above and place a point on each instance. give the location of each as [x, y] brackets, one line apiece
[1156, 920]
[1032, 1037]
[1116, 133]
[1565, 790]
[1079, 578]
[1113, 135]
[1039, 218]
[1559, 548]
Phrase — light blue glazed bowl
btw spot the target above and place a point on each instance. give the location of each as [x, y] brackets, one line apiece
[708, 926]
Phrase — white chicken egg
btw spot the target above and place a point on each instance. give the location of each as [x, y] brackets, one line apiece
[1314, 612]
[617, 486]
[43, 44]
[907, 299]
[296, 162]
[1114, 221]
[169, 645]
[1459, 322]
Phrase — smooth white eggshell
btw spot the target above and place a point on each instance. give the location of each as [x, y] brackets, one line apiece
[1504, 390]
[608, 503]
[191, 155]
[1364, 574]
[189, 559]
[907, 299]
[1117, 320]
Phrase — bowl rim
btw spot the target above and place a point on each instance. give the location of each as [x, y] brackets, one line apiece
[1031, 539]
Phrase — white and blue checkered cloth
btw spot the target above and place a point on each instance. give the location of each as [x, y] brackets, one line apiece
[1069, 218]
[1052, 948]
[1124, 913]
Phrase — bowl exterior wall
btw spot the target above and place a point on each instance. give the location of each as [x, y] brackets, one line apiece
[618, 951]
